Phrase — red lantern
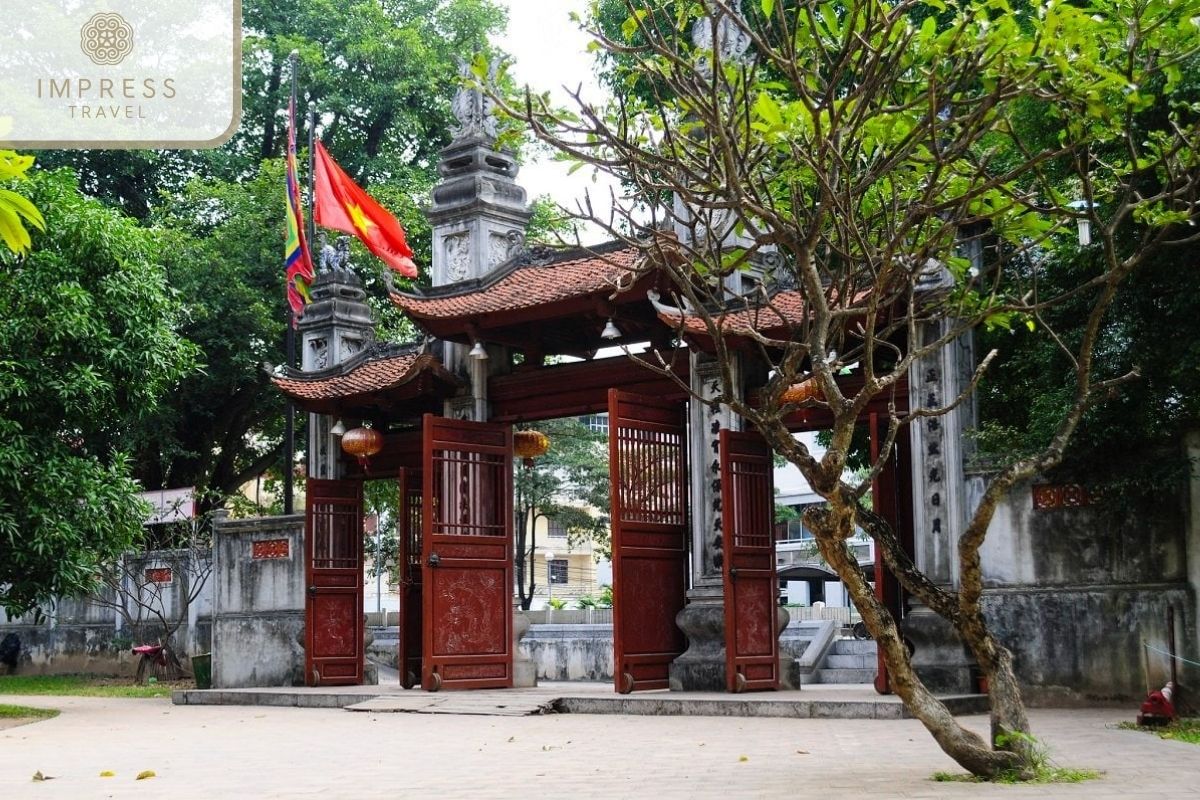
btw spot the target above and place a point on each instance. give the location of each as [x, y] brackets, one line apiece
[362, 443]
[529, 445]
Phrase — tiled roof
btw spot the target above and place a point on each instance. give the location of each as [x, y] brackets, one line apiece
[371, 375]
[784, 309]
[524, 286]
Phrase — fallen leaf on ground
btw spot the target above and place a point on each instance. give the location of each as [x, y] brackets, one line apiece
[743, 758]
[108, 773]
[802, 752]
[39, 777]
[148, 773]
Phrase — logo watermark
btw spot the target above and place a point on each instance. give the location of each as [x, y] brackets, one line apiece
[120, 73]
[106, 39]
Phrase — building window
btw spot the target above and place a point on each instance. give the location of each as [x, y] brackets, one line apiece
[555, 528]
[596, 423]
[557, 570]
[797, 532]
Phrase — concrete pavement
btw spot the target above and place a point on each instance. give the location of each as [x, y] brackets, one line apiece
[252, 752]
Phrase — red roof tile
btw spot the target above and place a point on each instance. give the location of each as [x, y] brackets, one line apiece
[526, 286]
[369, 376]
[784, 309]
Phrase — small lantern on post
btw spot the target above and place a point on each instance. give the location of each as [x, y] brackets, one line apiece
[529, 445]
[362, 443]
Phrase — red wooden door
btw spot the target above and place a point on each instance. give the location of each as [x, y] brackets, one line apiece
[648, 453]
[408, 661]
[751, 588]
[333, 551]
[467, 553]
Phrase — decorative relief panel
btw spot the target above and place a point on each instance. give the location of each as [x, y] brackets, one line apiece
[498, 250]
[350, 346]
[320, 353]
[159, 575]
[270, 549]
[1048, 496]
[458, 256]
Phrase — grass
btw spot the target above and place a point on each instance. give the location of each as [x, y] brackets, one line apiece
[25, 712]
[79, 685]
[1181, 730]
[1045, 774]
[1043, 770]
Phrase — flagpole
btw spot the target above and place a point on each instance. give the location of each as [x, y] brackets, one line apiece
[311, 222]
[289, 422]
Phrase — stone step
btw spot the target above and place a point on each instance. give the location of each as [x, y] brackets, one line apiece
[844, 676]
[837, 661]
[853, 647]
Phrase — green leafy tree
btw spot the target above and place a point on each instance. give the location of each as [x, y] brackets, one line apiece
[1126, 450]
[16, 210]
[570, 485]
[874, 155]
[381, 75]
[89, 345]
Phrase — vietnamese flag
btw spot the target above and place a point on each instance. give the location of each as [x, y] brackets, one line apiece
[341, 204]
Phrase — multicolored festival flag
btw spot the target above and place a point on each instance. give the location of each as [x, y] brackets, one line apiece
[341, 204]
[299, 263]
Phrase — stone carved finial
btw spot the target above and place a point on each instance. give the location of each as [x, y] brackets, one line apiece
[332, 257]
[473, 109]
[732, 39]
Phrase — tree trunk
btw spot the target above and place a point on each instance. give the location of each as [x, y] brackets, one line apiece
[965, 747]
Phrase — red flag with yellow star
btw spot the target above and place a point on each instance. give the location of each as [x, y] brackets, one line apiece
[341, 204]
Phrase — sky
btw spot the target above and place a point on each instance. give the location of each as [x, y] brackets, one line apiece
[549, 53]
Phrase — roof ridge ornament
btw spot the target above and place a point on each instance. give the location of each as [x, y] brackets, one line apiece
[473, 109]
[332, 257]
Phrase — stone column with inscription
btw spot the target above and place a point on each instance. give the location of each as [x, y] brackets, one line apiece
[702, 666]
[940, 507]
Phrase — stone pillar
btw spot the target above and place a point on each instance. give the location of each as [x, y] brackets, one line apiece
[479, 211]
[701, 668]
[940, 505]
[478, 215]
[1192, 450]
[337, 326]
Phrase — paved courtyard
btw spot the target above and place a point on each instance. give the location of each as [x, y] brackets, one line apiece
[219, 752]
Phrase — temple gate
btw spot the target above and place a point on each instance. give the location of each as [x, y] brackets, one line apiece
[695, 589]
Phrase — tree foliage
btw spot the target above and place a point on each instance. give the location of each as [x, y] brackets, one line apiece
[15, 210]
[1127, 450]
[874, 161]
[381, 75]
[88, 346]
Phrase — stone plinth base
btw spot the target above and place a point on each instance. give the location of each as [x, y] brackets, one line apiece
[524, 670]
[939, 656]
[701, 668]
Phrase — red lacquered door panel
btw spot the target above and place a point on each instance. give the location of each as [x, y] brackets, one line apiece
[648, 452]
[333, 551]
[467, 555]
